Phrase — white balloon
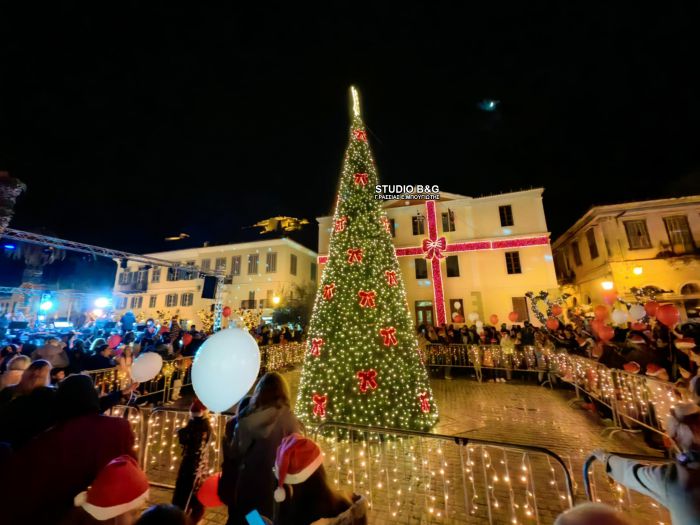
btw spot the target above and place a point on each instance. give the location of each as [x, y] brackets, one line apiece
[473, 316]
[457, 305]
[225, 368]
[146, 367]
[637, 312]
[479, 325]
[619, 316]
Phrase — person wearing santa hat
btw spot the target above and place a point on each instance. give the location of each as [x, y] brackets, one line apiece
[675, 485]
[194, 438]
[115, 497]
[303, 494]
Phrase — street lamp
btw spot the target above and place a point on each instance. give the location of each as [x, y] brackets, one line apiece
[607, 285]
[46, 305]
[276, 300]
[637, 270]
[101, 302]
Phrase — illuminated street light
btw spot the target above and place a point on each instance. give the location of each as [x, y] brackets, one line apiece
[276, 300]
[46, 305]
[101, 302]
[637, 270]
[97, 312]
[607, 285]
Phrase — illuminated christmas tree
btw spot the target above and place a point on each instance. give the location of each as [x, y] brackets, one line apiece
[362, 363]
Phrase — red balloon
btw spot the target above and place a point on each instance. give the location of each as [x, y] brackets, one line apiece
[552, 323]
[163, 329]
[596, 325]
[606, 333]
[601, 312]
[651, 307]
[556, 310]
[186, 339]
[493, 319]
[226, 311]
[208, 492]
[639, 327]
[610, 296]
[668, 314]
[114, 341]
[513, 316]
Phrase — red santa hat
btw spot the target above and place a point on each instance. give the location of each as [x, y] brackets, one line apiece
[297, 458]
[197, 408]
[632, 367]
[119, 487]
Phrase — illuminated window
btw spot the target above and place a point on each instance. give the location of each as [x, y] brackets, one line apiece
[679, 234]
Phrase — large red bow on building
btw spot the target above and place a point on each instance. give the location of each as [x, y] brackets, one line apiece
[389, 335]
[367, 298]
[354, 255]
[360, 134]
[316, 344]
[328, 290]
[434, 248]
[368, 379]
[424, 402]
[319, 405]
[391, 277]
[340, 224]
[361, 179]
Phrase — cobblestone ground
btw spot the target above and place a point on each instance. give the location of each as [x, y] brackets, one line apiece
[412, 481]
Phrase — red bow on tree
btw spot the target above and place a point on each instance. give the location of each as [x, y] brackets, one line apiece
[340, 224]
[360, 134]
[328, 290]
[386, 223]
[391, 277]
[316, 344]
[368, 379]
[354, 255]
[424, 402]
[434, 248]
[389, 335]
[361, 179]
[319, 405]
[367, 298]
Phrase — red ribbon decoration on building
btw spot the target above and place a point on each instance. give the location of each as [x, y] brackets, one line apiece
[354, 255]
[433, 248]
[368, 379]
[328, 290]
[386, 223]
[424, 402]
[316, 344]
[360, 134]
[340, 224]
[367, 298]
[391, 278]
[389, 335]
[361, 179]
[319, 405]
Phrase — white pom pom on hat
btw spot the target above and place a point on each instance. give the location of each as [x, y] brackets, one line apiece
[297, 458]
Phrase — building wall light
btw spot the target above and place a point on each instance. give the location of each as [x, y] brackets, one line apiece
[637, 270]
[607, 285]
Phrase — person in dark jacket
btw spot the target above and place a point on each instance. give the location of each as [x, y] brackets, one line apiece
[194, 438]
[127, 321]
[101, 359]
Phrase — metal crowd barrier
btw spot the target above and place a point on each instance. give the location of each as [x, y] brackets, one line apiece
[418, 477]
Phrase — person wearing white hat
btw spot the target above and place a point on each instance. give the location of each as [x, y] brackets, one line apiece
[675, 485]
[303, 494]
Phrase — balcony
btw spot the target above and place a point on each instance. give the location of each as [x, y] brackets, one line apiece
[133, 287]
[253, 304]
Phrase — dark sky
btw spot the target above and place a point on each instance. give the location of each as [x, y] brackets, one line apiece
[140, 121]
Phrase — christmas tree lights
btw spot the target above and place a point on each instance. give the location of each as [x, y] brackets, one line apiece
[362, 363]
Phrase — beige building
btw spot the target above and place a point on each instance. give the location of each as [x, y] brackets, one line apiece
[258, 274]
[634, 245]
[494, 249]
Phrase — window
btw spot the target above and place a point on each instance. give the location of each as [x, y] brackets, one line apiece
[268, 299]
[253, 263]
[313, 271]
[452, 263]
[576, 252]
[513, 262]
[171, 300]
[121, 303]
[152, 301]
[140, 276]
[220, 263]
[293, 265]
[136, 301]
[679, 234]
[236, 265]
[418, 225]
[392, 227]
[124, 277]
[520, 307]
[155, 276]
[271, 262]
[448, 221]
[637, 234]
[421, 268]
[251, 295]
[506, 213]
[592, 245]
[205, 264]
[187, 273]
[186, 299]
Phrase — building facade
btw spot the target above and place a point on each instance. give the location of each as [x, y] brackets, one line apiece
[630, 246]
[259, 275]
[492, 251]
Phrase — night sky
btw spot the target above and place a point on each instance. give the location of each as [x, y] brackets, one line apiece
[142, 121]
